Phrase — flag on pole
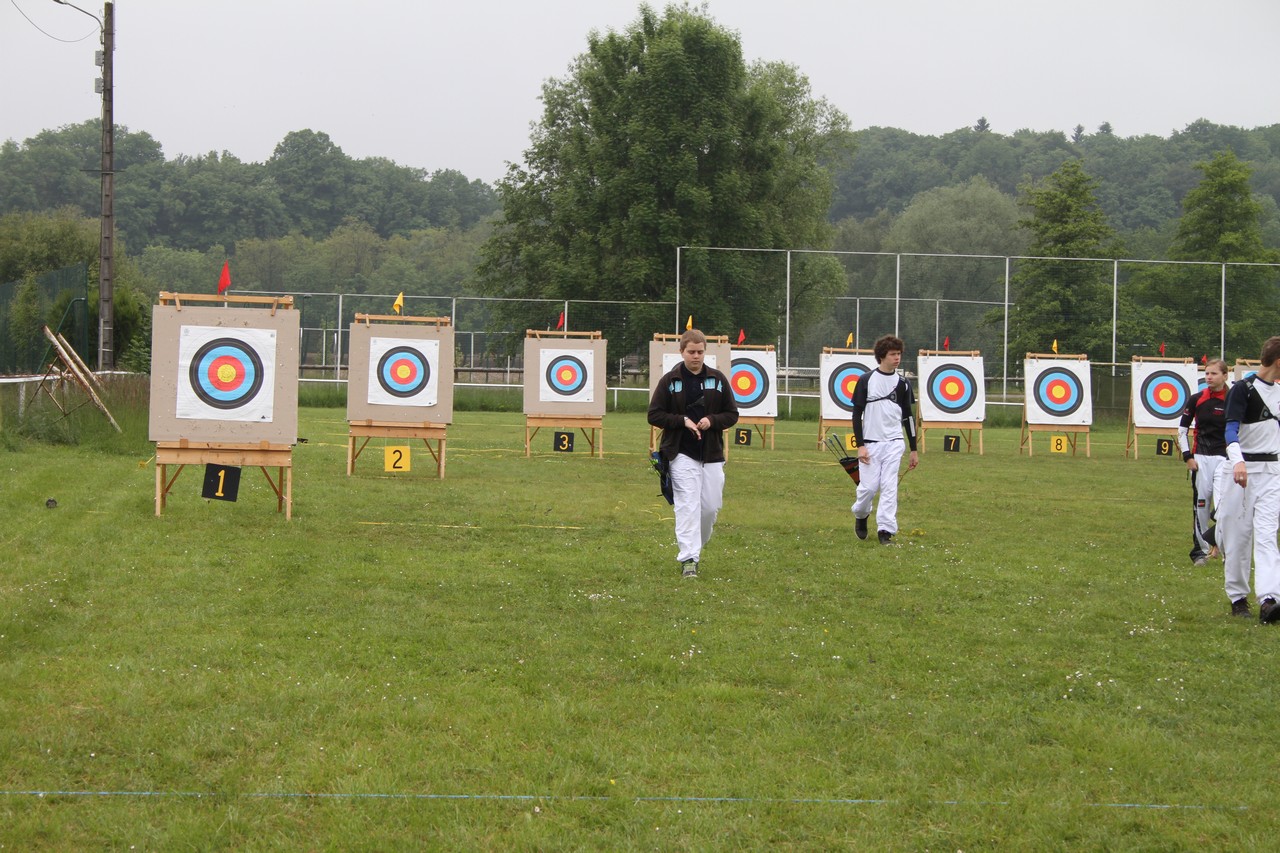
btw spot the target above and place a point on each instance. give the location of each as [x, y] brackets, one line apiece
[742, 335]
[560, 322]
[946, 344]
[689, 323]
[399, 303]
[849, 340]
[1162, 348]
[1204, 359]
[1055, 346]
[224, 280]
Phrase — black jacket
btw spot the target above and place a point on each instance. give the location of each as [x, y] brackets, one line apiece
[667, 411]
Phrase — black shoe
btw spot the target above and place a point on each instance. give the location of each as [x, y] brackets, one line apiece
[886, 538]
[1240, 607]
[1268, 611]
[690, 569]
[860, 527]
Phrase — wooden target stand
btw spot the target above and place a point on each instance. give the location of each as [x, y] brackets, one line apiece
[655, 433]
[965, 428]
[825, 425]
[73, 370]
[1072, 431]
[591, 426]
[368, 428]
[264, 455]
[1132, 433]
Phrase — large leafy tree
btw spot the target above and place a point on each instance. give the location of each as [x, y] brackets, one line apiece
[1068, 300]
[661, 137]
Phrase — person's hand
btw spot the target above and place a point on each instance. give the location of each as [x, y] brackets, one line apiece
[913, 461]
[1192, 464]
[864, 456]
[704, 424]
[1240, 474]
[690, 425]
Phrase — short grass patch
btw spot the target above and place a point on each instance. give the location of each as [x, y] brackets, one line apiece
[507, 658]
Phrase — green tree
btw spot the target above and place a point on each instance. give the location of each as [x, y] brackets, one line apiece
[1064, 300]
[663, 137]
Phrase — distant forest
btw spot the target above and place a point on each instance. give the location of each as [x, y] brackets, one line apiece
[312, 218]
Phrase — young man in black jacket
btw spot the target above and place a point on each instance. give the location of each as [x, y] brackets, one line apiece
[693, 405]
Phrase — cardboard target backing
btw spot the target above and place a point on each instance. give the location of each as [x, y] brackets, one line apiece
[952, 388]
[1058, 391]
[400, 373]
[664, 355]
[753, 377]
[564, 376]
[1161, 391]
[838, 375]
[224, 375]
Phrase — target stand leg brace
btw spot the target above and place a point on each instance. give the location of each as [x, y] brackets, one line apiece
[264, 456]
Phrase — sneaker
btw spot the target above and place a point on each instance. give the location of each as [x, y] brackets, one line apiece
[1240, 607]
[860, 527]
[1268, 611]
[886, 538]
[1200, 561]
[690, 569]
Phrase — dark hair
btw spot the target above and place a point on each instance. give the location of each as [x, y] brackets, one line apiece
[1271, 351]
[886, 345]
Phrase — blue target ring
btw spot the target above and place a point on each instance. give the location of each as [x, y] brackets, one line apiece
[749, 381]
[842, 382]
[566, 375]
[226, 373]
[403, 371]
[952, 389]
[1164, 394]
[1058, 392]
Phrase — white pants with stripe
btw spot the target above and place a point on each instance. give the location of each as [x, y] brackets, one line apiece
[1203, 482]
[880, 474]
[1248, 519]
[698, 489]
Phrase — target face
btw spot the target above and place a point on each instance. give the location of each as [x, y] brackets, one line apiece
[225, 374]
[952, 388]
[1058, 392]
[403, 371]
[752, 378]
[566, 376]
[839, 374]
[1161, 392]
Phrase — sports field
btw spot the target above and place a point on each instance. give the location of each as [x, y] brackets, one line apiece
[507, 659]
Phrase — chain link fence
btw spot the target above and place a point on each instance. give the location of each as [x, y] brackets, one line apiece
[59, 300]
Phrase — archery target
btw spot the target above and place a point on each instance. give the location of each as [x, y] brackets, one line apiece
[1161, 392]
[671, 359]
[403, 372]
[838, 375]
[1058, 392]
[753, 379]
[952, 389]
[565, 376]
[226, 374]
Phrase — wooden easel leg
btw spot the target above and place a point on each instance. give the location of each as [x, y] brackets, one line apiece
[440, 461]
[288, 494]
[160, 471]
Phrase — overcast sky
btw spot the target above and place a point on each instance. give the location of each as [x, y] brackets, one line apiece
[455, 85]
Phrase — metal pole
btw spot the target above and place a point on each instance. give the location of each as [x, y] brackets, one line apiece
[106, 257]
[1222, 339]
[337, 343]
[1115, 299]
[786, 356]
[897, 293]
[937, 321]
[678, 288]
[1004, 390]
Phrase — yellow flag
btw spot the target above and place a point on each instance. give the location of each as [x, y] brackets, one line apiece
[399, 303]
[849, 341]
[1055, 346]
[689, 323]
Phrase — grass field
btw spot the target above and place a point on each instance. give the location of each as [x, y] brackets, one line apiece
[507, 659]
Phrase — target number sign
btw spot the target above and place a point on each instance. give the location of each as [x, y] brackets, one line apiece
[395, 459]
[226, 374]
[742, 437]
[1164, 447]
[562, 442]
[1057, 444]
[221, 483]
[952, 388]
[839, 374]
[1161, 392]
[851, 442]
[753, 378]
[1058, 392]
[951, 444]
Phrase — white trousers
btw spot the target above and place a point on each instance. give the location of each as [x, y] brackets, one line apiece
[699, 492]
[880, 474]
[1248, 519]
[1204, 483]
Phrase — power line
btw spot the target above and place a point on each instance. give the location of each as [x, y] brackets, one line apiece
[45, 32]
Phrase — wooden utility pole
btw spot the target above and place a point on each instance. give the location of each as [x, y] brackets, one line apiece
[106, 257]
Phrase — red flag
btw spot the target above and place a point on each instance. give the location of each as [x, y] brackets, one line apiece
[1162, 347]
[1204, 359]
[560, 322]
[742, 336]
[224, 280]
[946, 343]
